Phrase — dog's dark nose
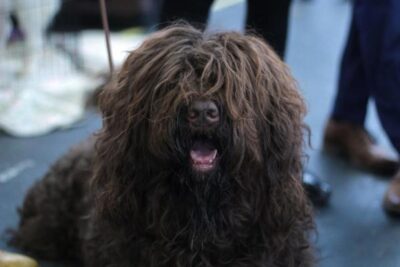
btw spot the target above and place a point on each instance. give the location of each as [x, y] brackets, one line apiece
[203, 112]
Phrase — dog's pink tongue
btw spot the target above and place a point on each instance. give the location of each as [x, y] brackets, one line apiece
[202, 153]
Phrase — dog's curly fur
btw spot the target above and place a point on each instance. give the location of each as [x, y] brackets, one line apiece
[129, 197]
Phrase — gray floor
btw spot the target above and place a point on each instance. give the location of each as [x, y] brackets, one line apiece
[353, 230]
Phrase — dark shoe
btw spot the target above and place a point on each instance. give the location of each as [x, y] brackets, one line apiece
[353, 143]
[391, 200]
[317, 190]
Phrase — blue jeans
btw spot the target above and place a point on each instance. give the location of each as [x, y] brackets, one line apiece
[370, 67]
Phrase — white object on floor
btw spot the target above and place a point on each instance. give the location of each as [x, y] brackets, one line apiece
[40, 88]
[92, 47]
[53, 97]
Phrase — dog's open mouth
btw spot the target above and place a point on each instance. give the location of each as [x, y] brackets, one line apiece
[203, 155]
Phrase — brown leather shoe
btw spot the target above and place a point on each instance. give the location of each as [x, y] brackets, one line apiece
[391, 200]
[353, 143]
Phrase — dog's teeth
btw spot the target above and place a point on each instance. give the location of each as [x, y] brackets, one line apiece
[214, 154]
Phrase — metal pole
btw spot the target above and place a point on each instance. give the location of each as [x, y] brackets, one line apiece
[103, 9]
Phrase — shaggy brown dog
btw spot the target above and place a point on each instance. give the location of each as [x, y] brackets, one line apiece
[198, 164]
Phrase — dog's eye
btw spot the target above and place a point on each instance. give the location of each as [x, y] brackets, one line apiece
[192, 114]
[212, 113]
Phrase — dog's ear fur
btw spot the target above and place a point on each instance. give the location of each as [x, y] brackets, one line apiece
[269, 118]
[134, 107]
[283, 134]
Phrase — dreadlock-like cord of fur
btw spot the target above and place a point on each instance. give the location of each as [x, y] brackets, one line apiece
[135, 198]
[264, 218]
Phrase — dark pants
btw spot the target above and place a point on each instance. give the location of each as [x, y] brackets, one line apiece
[268, 17]
[370, 67]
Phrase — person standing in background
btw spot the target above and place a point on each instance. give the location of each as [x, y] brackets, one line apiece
[268, 17]
[370, 69]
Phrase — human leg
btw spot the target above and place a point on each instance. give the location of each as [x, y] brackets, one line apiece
[387, 96]
[387, 90]
[353, 89]
[195, 12]
[270, 19]
[345, 134]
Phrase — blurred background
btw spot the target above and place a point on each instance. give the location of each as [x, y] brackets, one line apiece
[53, 58]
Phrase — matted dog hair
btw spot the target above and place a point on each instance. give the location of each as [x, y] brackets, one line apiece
[146, 205]
[265, 115]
